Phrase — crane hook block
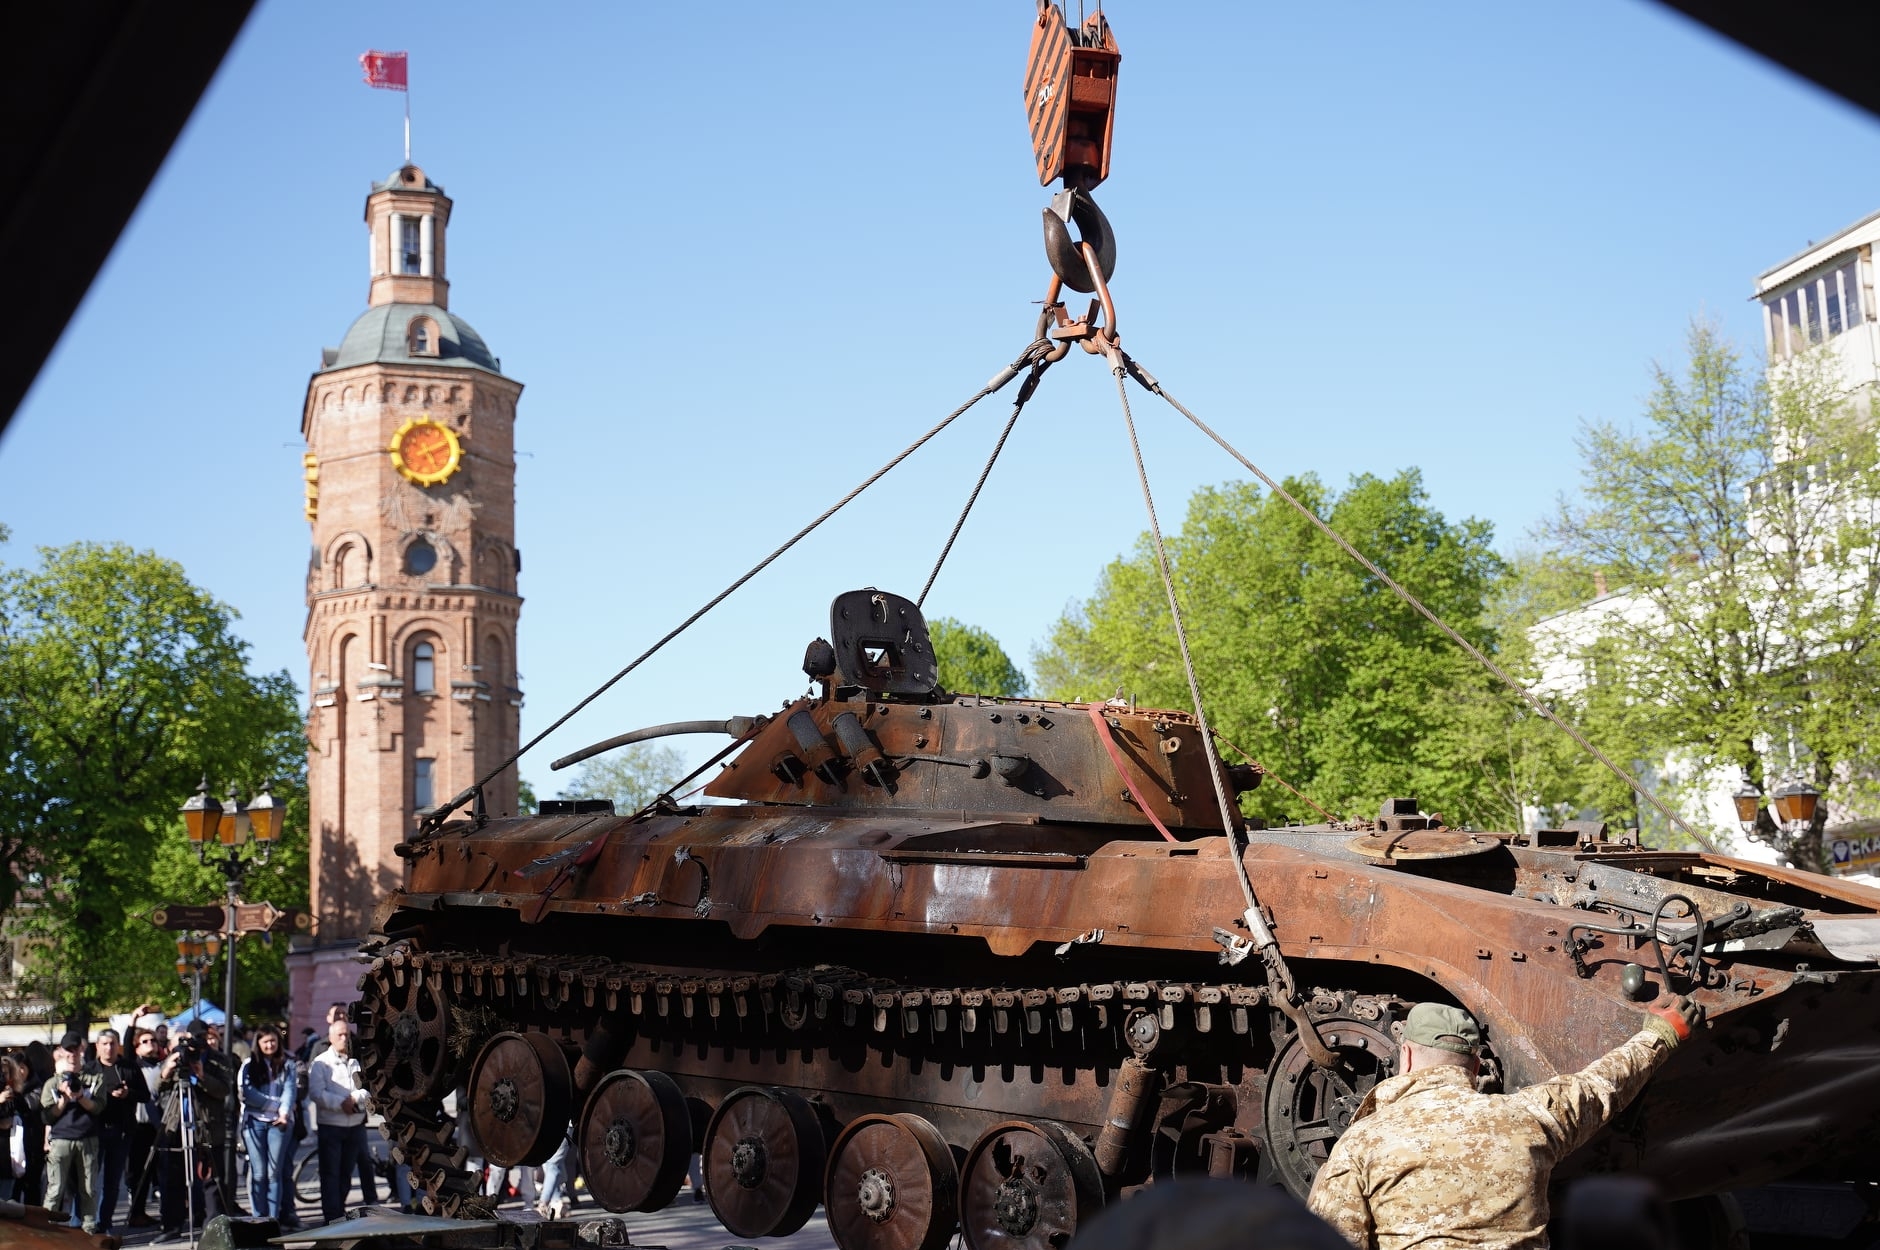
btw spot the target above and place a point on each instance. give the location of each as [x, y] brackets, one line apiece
[1070, 97]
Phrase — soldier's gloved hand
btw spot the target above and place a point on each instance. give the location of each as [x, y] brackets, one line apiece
[1673, 1019]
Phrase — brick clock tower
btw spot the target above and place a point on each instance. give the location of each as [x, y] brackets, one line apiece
[411, 584]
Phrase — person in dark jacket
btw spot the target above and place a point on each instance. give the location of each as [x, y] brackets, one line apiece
[124, 1091]
[148, 1057]
[38, 1058]
[71, 1102]
[12, 1132]
[192, 1089]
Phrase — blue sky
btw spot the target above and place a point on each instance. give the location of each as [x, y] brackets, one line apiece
[740, 254]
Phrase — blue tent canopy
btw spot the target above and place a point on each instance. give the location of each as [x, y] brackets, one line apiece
[208, 1011]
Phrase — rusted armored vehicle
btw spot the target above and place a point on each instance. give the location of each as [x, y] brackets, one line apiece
[937, 960]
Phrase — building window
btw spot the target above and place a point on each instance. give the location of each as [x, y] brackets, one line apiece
[423, 796]
[422, 338]
[423, 668]
[420, 558]
[1817, 310]
[410, 249]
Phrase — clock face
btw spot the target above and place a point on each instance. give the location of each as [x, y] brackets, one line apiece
[426, 451]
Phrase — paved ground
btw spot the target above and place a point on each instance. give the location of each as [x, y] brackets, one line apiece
[685, 1225]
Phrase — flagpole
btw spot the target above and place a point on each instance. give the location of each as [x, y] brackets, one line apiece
[407, 123]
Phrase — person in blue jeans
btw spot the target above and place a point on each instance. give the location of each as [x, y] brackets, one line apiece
[269, 1083]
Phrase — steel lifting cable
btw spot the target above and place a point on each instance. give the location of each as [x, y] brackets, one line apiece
[1028, 357]
[1150, 384]
[1284, 991]
[1025, 392]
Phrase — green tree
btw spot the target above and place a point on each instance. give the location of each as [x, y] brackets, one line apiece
[631, 776]
[120, 685]
[1737, 530]
[1307, 662]
[971, 661]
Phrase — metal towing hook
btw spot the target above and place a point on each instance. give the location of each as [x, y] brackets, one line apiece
[1068, 256]
[1083, 265]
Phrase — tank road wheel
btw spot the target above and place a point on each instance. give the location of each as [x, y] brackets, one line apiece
[520, 1098]
[1027, 1185]
[405, 1052]
[892, 1185]
[763, 1162]
[1308, 1108]
[635, 1140]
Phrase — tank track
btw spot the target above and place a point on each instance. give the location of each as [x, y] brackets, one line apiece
[1083, 1022]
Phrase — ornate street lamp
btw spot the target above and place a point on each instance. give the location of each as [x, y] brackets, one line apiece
[1748, 802]
[1795, 807]
[195, 954]
[230, 825]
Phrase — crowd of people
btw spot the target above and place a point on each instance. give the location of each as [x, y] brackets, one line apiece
[143, 1115]
[87, 1124]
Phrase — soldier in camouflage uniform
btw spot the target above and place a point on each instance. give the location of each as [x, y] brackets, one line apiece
[1429, 1162]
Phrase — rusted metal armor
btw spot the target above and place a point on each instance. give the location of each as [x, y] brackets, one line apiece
[938, 961]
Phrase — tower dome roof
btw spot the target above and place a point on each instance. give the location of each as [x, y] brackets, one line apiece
[408, 178]
[382, 335]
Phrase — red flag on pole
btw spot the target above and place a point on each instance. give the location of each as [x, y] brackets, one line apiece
[385, 70]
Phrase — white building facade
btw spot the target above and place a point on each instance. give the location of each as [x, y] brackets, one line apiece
[1821, 300]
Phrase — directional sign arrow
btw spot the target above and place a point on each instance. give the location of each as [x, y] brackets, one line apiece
[255, 917]
[178, 916]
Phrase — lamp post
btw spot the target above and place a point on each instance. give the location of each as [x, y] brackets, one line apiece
[231, 826]
[1795, 807]
[195, 952]
[1748, 803]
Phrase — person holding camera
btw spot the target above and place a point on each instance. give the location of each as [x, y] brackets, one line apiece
[148, 1057]
[192, 1089]
[122, 1092]
[71, 1102]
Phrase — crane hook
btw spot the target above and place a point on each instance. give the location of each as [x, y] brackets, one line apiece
[1066, 254]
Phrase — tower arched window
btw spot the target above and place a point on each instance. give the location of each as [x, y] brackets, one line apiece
[421, 337]
[410, 245]
[423, 784]
[424, 669]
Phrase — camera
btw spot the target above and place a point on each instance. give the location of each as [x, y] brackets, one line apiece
[192, 1049]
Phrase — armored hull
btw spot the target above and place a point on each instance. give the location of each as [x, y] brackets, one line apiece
[938, 960]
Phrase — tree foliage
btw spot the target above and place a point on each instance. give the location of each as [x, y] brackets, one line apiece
[631, 776]
[1306, 661]
[971, 661]
[121, 684]
[1737, 528]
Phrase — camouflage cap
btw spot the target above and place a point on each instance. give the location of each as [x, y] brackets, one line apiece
[1442, 1027]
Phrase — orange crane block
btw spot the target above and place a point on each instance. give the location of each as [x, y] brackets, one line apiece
[1070, 96]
